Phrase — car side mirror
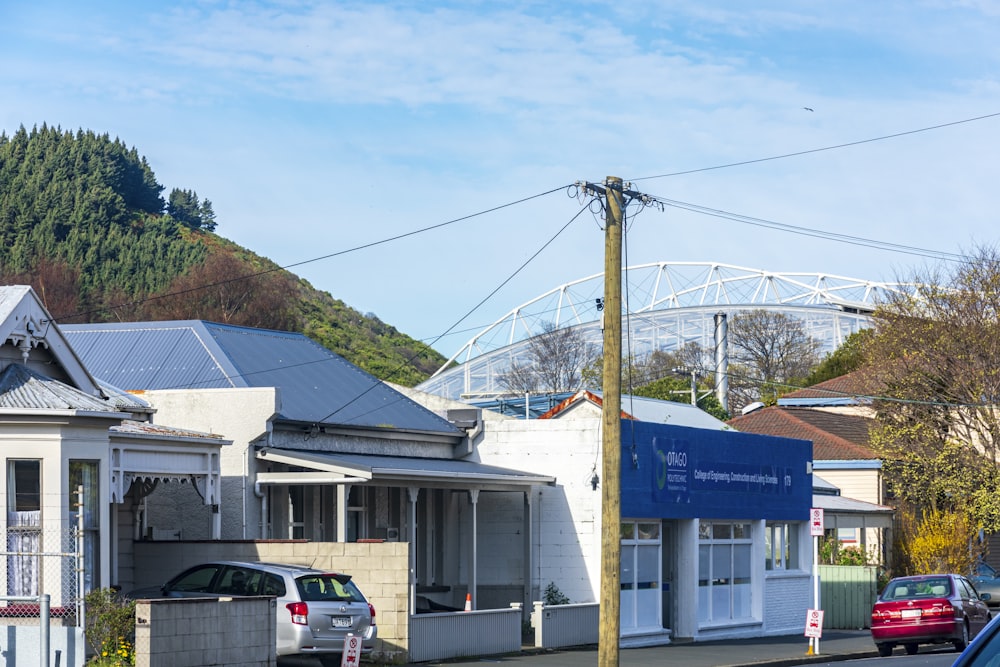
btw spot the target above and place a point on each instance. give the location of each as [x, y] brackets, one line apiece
[985, 597]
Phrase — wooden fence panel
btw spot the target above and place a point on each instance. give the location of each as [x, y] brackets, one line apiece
[847, 595]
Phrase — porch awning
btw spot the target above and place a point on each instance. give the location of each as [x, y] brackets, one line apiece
[841, 512]
[150, 453]
[395, 471]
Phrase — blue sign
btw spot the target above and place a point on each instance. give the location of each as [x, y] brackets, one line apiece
[676, 472]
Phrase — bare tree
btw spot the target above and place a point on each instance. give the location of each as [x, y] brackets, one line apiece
[768, 349]
[229, 289]
[555, 361]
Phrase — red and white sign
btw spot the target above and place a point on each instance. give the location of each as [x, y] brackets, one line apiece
[352, 651]
[814, 623]
[816, 522]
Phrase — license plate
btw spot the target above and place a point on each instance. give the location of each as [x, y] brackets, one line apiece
[910, 613]
[341, 621]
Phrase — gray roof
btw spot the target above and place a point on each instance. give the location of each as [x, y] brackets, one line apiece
[316, 385]
[460, 473]
[23, 389]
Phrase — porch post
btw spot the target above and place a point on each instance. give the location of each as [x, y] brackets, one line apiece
[529, 550]
[474, 552]
[343, 493]
[215, 529]
[412, 493]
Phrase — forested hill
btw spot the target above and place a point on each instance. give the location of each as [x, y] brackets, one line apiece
[85, 222]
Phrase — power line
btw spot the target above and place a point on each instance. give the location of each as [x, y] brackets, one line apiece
[467, 314]
[816, 233]
[822, 149]
[364, 246]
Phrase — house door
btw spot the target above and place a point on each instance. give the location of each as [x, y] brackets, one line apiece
[640, 577]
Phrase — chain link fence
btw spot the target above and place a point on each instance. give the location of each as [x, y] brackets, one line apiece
[40, 562]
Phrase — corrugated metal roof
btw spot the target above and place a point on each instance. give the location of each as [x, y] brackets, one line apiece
[132, 427]
[23, 389]
[316, 385]
[640, 408]
[401, 468]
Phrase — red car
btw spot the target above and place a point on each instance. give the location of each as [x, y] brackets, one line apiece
[928, 609]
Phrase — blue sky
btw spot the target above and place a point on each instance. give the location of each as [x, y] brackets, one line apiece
[318, 127]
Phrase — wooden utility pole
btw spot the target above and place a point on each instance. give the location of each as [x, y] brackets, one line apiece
[611, 441]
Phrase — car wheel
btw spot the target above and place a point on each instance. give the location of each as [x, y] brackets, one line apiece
[884, 650]
[911, 649]
[960, 644]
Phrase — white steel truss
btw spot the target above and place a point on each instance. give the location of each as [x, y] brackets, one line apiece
[667, 304]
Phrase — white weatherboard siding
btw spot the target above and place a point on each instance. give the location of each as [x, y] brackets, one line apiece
[860, 484]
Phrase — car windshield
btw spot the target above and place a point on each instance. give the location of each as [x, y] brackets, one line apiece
[985, 570]
[319, 587]
[913, 589]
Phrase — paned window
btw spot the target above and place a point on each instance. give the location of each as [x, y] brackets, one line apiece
[24, 525]
[781, 546]
[724, 571]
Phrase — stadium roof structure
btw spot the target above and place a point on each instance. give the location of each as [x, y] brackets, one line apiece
[665, 305]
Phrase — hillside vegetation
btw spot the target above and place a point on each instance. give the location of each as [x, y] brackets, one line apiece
[84, 221]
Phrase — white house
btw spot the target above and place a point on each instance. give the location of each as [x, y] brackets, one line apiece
[68, 440]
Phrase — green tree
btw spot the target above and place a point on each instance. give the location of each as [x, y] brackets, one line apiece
[933, 359]
[845, 359]
[679, 390]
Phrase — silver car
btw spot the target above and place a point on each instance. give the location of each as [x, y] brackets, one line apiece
[316, 609]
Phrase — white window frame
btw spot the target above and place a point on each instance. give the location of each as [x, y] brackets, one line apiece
[782, 546]
[711, 539]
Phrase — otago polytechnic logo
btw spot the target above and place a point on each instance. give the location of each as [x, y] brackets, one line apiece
[671, 472]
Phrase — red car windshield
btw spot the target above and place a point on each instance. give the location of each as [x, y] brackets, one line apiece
[917, 589]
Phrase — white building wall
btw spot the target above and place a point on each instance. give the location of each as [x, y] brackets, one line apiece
[54, 442]
[239, 415]
[568, 540]
[567, 545]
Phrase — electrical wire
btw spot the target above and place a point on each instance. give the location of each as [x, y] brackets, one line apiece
[816, 233]
[331, 255]
[466, 315]
[821, 149]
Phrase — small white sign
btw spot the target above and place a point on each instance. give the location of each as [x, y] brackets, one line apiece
[352, 651]
[816, 522]
[814, 623]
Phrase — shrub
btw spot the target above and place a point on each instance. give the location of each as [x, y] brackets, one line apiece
[553, 595]
[110, 627]
[939, 542]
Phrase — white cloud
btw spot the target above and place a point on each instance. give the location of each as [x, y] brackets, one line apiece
[315, 127]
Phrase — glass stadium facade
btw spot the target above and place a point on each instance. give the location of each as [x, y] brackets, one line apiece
[664, 306]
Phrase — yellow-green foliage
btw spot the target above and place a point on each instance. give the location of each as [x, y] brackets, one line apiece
[110, 627]
[940, 543]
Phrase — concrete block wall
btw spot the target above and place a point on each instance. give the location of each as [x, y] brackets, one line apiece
[567, 542]
[194, 631]
[380, 569]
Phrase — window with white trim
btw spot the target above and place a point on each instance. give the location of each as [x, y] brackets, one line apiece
[24, 525]
[86, 474]
[781, 546]
[724, 571]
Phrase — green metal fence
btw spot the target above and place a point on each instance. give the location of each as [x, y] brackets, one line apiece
[847, 595]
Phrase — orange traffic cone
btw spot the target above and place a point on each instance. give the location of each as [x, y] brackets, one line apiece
[468, 602]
